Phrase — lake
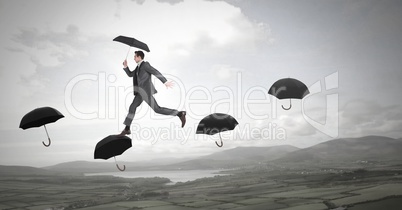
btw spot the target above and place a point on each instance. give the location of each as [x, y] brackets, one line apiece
[174, 176]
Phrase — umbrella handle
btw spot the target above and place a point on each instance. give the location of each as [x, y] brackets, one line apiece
[44, 144]
[221, 141]
[289, 106]
[118, 167]
[124, 167]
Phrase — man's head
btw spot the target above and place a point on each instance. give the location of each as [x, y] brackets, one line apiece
[138, 56]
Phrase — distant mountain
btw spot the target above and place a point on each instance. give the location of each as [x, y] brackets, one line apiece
[25, 171]
[253, 153]
[348, 150]
[80, 167]
[339, 151]
[237, 157]
[97, 167]
[225, 159]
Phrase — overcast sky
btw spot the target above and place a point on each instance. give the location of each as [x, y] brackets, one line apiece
[223, 56]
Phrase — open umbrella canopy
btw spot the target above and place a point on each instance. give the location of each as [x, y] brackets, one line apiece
[39, 117]
[132, 42]
[111, 146]
[216, 123]
[288, 88]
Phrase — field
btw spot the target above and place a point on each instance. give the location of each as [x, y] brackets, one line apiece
[252, 188]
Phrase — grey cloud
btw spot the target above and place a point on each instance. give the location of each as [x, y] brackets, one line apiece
[118, 9]
[204, 43]
[171, 2]
[117, 13]
[362, 117]
[291, 126]
[138, 1]
[296, 127]
[58, 45]
[72, 30]
[36, 39]
[305, 130]
[233, 2]
[27, 37]
[14, 49]
[68, 48]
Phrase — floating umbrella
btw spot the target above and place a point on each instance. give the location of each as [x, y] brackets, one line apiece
[40, 116]
[288, 88]
[132, 43]
[216, 123]
[112, 146]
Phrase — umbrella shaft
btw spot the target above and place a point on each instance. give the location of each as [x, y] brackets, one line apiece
[128, 52]
[46, 131]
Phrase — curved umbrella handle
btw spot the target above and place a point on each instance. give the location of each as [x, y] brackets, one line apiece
[221, 141]
[290, 106]
[44, 144]
[124, 167]
[117, 165]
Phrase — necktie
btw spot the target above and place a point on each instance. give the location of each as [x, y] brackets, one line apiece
[136, 77]
[138, 69]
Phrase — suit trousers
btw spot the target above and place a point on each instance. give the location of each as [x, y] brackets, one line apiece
[150, 100]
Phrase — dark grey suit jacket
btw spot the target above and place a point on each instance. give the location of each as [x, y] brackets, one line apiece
[142, 84]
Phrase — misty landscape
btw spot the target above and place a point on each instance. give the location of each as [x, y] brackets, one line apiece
[201, 104]
[355, 173]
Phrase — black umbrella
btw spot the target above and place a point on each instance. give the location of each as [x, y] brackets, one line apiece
[216, 123]
[112, 146]
[132, 43]
[288, 88]
[39, 117]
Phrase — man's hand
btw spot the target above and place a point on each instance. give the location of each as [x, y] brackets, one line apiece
[169, 84]
[125, 63]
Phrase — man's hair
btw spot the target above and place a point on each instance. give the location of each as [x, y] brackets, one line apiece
[140, 53]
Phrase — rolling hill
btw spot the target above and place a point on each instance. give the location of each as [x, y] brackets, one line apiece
[225, 159]
[348, 150]
[342, 152]
[103, 166]
[237, 157]
[25, 171]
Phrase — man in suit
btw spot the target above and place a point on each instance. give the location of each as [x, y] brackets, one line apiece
[144, 90]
